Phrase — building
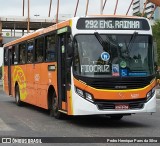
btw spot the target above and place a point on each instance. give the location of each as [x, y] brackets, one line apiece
[138, 6]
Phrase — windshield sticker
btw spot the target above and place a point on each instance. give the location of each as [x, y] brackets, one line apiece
[95, 68]
[115, 69]
[105, 56]
[123, 64]
[124, 72]
[133, 74]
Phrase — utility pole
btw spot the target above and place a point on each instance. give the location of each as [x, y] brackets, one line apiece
[115, 8]
[145, 4]
[57, 11]
[101, 7]
[76, 8]
[23, 8]
[50, 8]
[129, 7]
[28, 27]
[104, 5]
[87, 7]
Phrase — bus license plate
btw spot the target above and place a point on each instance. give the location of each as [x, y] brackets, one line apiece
[121, 106]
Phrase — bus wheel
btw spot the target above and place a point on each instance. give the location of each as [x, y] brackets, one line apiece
[116, 117]
[54, 109]
[17, 96]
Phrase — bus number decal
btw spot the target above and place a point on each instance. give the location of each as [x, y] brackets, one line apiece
[91, 24]
[36, 77]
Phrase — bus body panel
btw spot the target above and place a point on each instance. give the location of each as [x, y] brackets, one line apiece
[34, 81]
[5, 83]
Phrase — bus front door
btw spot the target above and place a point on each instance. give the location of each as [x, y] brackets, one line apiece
[62, 72]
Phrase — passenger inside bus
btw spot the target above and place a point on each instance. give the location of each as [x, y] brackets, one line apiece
[133, 60]
[30, 57]
[22, 56]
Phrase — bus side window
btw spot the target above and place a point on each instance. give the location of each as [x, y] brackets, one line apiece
[30, 51]
[50, 48]
[15, 53]
[22, 56]
[39, 49]
[5, 56]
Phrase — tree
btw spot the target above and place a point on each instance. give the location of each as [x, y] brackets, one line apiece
[140, 14]
[156, 36]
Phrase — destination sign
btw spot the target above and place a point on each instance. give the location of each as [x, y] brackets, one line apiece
[112, 23]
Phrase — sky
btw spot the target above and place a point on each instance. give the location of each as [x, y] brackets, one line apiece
[41, 8]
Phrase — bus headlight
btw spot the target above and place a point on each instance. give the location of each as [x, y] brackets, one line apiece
[80, 92]
[89, 97]
[84, 94]
[150, 93]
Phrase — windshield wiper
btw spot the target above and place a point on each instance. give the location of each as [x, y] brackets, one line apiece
[103, 43]
[106, 44]
[133, 37]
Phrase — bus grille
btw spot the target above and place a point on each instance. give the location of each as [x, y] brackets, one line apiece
[117, 83]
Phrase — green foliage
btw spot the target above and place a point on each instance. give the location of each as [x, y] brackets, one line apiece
[156, 35]
[140, 15]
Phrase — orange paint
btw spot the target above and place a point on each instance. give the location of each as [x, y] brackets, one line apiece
[115, 94]
[64, 107]
[32, 90]
[69, 101]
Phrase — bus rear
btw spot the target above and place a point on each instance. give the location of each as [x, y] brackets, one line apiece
[113, 66]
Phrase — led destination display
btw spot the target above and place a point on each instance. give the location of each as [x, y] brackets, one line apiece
[112, 23]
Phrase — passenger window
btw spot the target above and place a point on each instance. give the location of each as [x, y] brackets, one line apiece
[50, 48]
[22, 50]
[39, 49]
[30, 52]
[5, 56]
[15, 55]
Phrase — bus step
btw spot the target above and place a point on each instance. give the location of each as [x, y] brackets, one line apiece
[62, 111]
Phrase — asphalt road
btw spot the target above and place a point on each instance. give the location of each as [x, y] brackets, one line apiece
[28, 121]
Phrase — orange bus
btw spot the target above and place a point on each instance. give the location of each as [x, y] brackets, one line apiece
[84, 66]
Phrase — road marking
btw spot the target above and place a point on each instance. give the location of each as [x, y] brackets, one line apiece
[4, 126]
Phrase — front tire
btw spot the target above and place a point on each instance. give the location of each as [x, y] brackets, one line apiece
[54, 108]
[17, 96]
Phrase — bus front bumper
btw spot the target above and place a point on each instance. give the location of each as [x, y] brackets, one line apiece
[84, 107]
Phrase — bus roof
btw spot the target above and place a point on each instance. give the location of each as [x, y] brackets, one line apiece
[61, 25]
[39, 32]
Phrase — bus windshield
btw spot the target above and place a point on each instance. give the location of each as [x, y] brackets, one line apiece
[107, 55]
